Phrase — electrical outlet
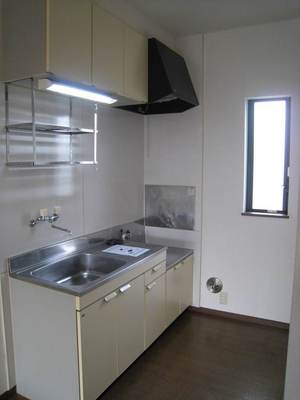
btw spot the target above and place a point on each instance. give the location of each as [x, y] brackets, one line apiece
[43, 212]
[223, 299]
[57, 210]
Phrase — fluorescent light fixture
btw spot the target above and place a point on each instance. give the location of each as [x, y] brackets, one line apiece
[85, 130]
[72, 91]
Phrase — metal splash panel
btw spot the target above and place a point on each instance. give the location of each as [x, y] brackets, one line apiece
[170, 206]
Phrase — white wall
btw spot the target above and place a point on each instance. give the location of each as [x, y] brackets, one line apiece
[173, 156]
[253, 256]
[292, 386]
[4, 383]
[92, 198]
[0, 38]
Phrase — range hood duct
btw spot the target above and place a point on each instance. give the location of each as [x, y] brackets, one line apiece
[170, 89]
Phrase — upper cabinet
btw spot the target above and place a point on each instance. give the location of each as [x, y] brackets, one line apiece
[69, 39]
[47, 36]
[77, 41]
[136, 66]
[120, 57]
[108, 51]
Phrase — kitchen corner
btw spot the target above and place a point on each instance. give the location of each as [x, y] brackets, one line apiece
[134, 138]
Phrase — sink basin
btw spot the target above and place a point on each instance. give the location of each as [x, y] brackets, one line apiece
[78, 269]
[78, 279]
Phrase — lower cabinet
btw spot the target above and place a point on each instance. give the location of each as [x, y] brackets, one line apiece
[155, 321]
[173, 287]
[115, 330]
[186, 292]
[111, 337]
[130, 323]
[179, 289]
[97, 347]
[82, 344]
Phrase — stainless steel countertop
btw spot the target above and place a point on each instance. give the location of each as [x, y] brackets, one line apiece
[176, 255]
[131, 262]
[22, 266]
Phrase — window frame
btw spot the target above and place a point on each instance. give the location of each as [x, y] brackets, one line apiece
[250, 155]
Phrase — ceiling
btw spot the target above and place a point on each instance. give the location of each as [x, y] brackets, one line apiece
[187, 17]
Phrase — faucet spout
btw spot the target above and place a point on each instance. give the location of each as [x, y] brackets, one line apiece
[61, 229]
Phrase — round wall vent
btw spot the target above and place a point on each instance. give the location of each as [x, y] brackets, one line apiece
[214, 285]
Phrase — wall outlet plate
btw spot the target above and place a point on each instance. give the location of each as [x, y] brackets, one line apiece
[223, 299]
[57, 210]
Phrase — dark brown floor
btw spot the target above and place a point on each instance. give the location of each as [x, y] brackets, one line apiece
[207, 358]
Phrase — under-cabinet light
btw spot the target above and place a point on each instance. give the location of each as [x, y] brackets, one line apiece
[76, 92]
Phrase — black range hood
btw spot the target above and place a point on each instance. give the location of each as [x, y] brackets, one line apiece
[170, 89]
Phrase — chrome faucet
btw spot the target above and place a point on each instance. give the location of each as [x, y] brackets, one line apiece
[45, 217]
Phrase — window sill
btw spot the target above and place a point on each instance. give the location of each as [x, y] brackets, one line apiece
[268, 215]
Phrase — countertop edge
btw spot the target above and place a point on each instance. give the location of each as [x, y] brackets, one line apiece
[188, 253]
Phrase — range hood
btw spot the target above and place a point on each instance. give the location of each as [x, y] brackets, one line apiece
[170, 89]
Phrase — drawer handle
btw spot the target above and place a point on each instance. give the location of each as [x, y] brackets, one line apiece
[151, 285]
[125, 288]
[109, 297]
[178, 266]
[157, 268]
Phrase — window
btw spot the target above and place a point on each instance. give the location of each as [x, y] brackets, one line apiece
[267, 181]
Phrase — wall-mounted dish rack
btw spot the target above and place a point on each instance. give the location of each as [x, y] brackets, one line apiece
[29, 140]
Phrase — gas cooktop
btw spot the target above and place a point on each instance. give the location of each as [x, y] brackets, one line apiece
[126, 250]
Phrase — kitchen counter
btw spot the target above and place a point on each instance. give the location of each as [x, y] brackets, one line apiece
[176, 255]
[106, 329]
[36, 266]
[27, 272]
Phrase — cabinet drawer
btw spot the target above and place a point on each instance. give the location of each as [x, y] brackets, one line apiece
[155, 272]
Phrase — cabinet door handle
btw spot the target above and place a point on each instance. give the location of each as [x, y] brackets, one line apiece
[151, 285]
[110, 296]
[157, 268]
[124, 289]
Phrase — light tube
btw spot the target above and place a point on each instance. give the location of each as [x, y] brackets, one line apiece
[81, 93]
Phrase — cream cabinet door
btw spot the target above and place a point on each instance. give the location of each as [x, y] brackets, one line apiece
[130, 322]
[155, 320]
[186, 278]
[108, 51]
[173, 291]
[69, 39]
[97, 347]
[136, 66]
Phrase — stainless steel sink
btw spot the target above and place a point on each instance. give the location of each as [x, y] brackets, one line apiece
[79, 269]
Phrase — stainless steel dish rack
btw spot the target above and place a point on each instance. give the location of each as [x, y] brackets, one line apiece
[32, 134]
